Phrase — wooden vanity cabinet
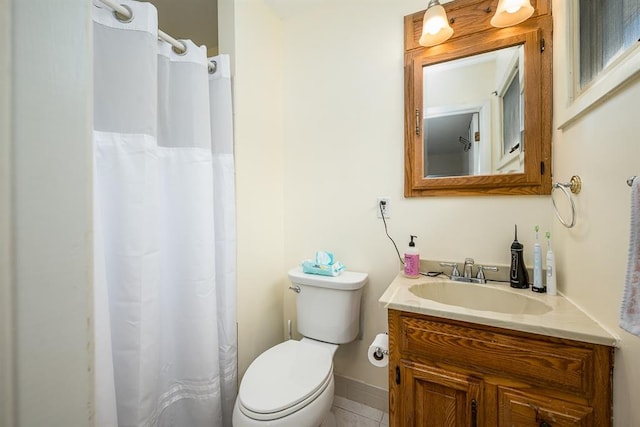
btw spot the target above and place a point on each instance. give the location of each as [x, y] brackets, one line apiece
[451, 373]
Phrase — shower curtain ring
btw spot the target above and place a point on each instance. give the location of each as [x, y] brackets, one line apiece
[122, 17]
[180, 51]
[213, 67]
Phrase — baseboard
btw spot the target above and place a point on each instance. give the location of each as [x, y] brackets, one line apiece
[360, 392]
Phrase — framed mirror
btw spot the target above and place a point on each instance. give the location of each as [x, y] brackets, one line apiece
[473, 120]
[478, 107]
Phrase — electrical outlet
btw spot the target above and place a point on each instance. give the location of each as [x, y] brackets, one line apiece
[384, 206]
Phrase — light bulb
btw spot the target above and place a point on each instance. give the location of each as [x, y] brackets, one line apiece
[434, 25]
[513, 6]
[511, 12]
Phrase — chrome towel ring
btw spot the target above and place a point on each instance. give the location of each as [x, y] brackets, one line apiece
[574, 186]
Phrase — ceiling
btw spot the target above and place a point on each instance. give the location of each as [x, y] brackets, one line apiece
[196, 20]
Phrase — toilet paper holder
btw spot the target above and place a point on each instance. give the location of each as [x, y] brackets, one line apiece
[380, 353]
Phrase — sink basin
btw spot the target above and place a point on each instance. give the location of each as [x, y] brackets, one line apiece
[477, 297]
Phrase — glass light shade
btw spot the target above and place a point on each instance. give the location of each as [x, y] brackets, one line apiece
[511, 12]
[435, 26]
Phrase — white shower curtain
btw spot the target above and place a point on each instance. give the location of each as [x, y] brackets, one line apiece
[165, 305]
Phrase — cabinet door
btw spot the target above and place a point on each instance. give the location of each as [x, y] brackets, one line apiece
[438, 398]
[523, 409]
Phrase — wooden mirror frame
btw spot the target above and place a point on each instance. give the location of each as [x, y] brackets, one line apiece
[473, 34]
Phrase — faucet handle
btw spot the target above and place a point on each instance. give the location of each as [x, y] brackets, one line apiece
[482, 268]
[455, 272]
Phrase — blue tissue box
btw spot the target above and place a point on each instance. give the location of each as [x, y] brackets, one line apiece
[311, 267]
[323, 265]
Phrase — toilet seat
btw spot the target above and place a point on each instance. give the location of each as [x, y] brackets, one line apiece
[284, 379]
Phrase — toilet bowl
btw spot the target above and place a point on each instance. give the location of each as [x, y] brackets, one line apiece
[291, 384]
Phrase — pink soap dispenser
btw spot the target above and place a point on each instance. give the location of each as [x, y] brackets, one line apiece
[412, 260]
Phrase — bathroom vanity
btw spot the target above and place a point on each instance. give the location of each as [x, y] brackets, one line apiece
[451, 365]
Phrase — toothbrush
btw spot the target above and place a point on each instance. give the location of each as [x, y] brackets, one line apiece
[537, 265]
[552, 288]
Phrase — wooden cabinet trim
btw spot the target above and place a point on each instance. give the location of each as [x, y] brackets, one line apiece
[532, 360]
[462, 393]
[525, 408]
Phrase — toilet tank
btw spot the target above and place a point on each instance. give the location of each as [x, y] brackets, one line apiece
[328, 308]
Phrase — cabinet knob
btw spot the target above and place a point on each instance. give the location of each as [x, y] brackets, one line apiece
[543, 423]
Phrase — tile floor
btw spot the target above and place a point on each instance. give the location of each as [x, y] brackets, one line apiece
[353, 414]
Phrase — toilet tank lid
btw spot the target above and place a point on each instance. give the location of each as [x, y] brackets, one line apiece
[347, 280]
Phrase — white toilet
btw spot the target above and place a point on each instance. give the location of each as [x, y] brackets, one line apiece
[291, 384]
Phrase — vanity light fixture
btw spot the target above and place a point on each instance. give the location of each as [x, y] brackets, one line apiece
[511, 12]
[436, 28]
[435, 25]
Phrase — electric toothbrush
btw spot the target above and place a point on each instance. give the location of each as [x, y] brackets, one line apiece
[537, 266]
[552, 288]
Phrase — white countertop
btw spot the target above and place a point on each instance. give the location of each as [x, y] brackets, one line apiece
[564, 320]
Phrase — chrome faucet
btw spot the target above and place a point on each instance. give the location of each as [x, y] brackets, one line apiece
[467, 271]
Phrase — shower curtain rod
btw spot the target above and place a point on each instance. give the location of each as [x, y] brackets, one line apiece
[177, 45]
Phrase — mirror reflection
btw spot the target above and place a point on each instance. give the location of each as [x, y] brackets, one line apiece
[474, 115]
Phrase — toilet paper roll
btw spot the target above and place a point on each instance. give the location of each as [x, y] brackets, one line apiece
[378, 352]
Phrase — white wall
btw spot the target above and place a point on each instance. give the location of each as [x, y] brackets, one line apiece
[259, 169]
[48, 217]
[471, 85]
